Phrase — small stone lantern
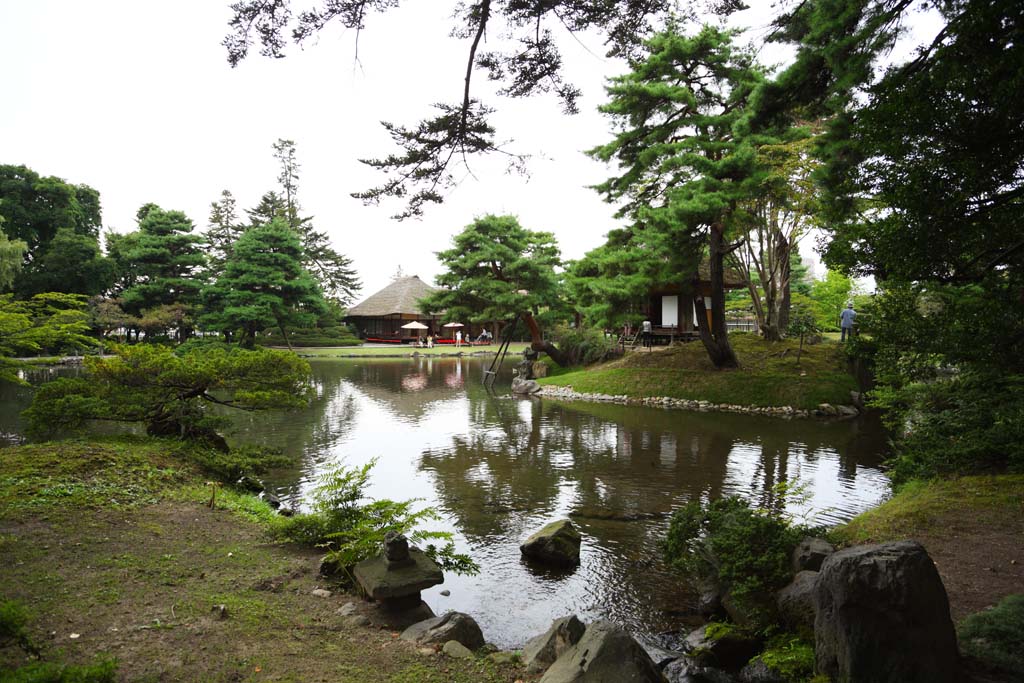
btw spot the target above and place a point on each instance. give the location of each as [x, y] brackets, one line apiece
[396, 577]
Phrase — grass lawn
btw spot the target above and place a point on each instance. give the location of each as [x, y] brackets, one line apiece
[769, 374]
[404, 350]
[109, 549]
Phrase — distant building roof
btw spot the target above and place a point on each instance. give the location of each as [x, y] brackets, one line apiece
[401, 296]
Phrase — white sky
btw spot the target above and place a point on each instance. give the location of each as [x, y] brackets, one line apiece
[136, 99]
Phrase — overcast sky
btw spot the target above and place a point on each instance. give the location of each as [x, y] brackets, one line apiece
[136, 99]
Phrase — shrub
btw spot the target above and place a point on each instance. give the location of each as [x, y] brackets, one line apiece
[247, 460]
[584, 345]
[353, 529]
[745, 552]
[13, 618]
[996, 636]
[101, 671]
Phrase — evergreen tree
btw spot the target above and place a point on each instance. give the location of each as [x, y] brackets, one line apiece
[34, 208]
[224, 229]
[166, 260]
[688, 158]
[264, 285]
[333, 270]
[496, 270]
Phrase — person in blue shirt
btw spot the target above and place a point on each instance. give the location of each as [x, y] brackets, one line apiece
[846, 319]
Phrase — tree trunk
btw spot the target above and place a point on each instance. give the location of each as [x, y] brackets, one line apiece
[284, 333]
[715, 336]
[538, 344]
[785, 274]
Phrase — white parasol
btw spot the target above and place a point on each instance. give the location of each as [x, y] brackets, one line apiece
[453, 325]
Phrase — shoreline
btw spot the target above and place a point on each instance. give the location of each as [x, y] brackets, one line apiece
[823, 411]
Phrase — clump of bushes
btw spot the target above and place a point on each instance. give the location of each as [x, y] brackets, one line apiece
[744, 552]
[338, 335]
[584, 345]
[352, 528]
[238, 462]
[995, 637]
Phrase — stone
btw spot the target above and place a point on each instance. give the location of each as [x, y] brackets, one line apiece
[541, 652]
[810, 553]
[795, 602]
[446, 593]
[685, 670]
[756, 671]
[356, 620]
[220, 611]
[883, 616]
[722, 646]
[539, 369]
[558, 544]
[321, 593]
[524, 386]
[396, 550]
[272, 500]
[605, 654]
[347, 609]
[847, 411]
[454, 648]
[502, 658]
[250, 484]
[450, 626]
[398, 587]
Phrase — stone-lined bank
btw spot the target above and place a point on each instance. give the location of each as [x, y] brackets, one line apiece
[824, 410]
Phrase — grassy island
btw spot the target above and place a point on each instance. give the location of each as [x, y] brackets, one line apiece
[769, 374]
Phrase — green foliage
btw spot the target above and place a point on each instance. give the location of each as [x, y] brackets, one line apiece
[247, 460]
[802, 324]
[165, 260]
[71, 263]
[584, 345]
[789, 656]
[829, 297]
[12, 253]
[34, 207]
[496, 269]
[50, 322]
[337, 335]
[168, 393]
[353, 529]
[263, 285]
[996, 636]
[745, 551]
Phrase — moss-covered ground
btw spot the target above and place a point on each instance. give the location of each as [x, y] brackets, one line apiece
[769, 374]
[110, 547]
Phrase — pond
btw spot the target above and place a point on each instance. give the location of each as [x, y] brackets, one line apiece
[498, 467]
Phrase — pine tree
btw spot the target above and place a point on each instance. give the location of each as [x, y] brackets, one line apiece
[224, 229]
[264, 285]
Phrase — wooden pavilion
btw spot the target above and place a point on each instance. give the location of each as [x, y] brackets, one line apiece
[380, 316]
[670, 307]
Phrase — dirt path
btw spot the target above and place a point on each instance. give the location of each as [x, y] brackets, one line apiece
[142, 586]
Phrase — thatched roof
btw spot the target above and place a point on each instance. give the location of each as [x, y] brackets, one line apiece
[401, 296]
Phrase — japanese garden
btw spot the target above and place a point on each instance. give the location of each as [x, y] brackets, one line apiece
[678, 341]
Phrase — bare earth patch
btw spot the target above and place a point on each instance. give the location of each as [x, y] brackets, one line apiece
[144, 585]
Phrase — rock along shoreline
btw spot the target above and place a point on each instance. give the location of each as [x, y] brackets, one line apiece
[824, 410]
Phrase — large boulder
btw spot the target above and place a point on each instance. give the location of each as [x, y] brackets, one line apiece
[558, 543]
[810, 553]
[541, 652]
[450, 626]
[756, 671]
[722, 646]
[795, 602]
[524, 386]
[883, 616]
[605, 654]
[686, 670]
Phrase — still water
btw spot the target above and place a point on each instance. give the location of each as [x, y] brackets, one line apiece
[499, 467]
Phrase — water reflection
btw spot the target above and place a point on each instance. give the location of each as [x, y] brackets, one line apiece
[498, 467]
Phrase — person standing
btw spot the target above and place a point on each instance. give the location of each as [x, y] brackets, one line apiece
[458, 338]
[648, 333]
[846, 320]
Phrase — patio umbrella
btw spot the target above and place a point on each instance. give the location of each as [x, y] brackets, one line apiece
[453, 325]
[415, 325]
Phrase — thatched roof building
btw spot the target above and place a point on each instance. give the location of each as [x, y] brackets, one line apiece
[381, 315]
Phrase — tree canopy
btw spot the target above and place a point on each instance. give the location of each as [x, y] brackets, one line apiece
[264, 285]
[35, 207]
[528, 63]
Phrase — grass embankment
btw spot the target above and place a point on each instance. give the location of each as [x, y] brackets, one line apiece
[769, 375]
[109, 546]
[405, 350]
[971, 526]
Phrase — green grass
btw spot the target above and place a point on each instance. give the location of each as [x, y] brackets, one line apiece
[920, 505]
[115, 472]
[996, 636]
[769, 375]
